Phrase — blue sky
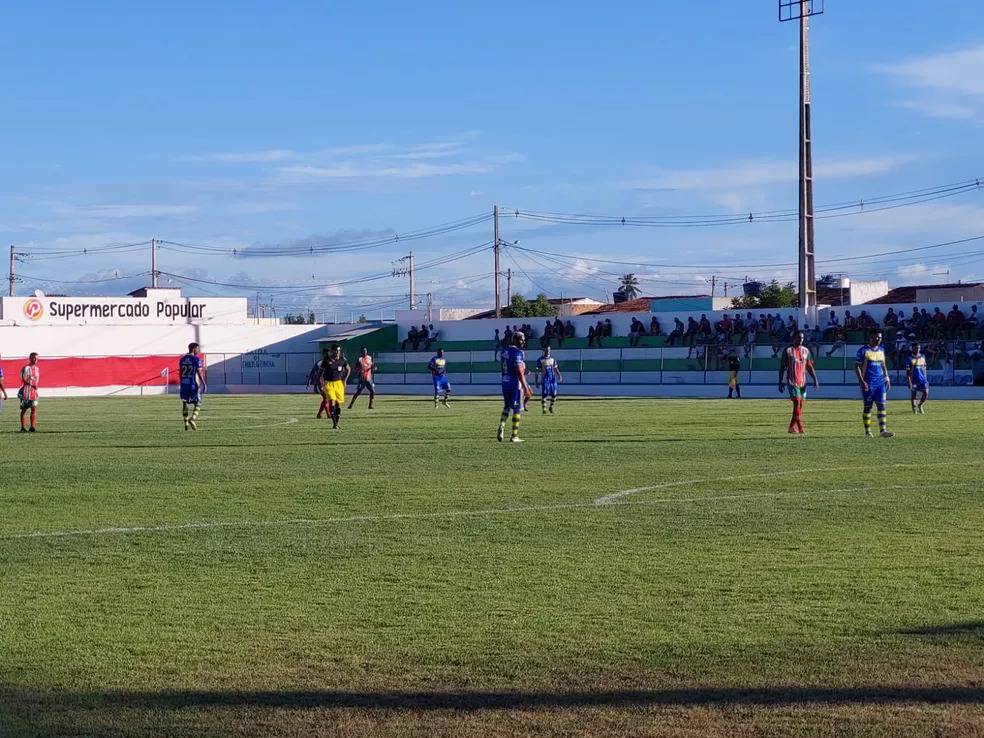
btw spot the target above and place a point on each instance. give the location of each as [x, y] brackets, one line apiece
[285, 123]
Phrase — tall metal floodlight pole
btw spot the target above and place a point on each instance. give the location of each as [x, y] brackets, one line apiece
[801, 10]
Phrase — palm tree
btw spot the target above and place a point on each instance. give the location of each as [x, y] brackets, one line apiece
[628, 284]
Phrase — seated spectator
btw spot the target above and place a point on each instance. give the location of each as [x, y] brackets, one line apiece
[704, 326]
[547, 334]
[558, 328]
[738, 328]
[850, 322]
[595, 334]
[839, 341]
[656, 330]
[765, 323]
[727, 325]
[938, 323]
[866, 322]
[636, 331]
[833, 323]
[413, 338]
[955, 322]
[568, 329]
[431, 337]
[792, 324]
[891, 318]
[677, 332]
[691, 334]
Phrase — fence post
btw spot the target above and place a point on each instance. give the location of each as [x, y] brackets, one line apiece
[471, 367]
[404, 368]
[662, 353]
[620, 366]
[286, 368]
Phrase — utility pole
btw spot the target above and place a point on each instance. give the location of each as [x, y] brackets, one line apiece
[407, 272]
[509, 286]
[801, 10]
[495, 250]
[153, 263]
[12, 278]
[430, 306]
[713, 287]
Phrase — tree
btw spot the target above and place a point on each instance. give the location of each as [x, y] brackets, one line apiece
[298, 319]
[310, 319]
[520, 307]
[773, 295]
[629, 285]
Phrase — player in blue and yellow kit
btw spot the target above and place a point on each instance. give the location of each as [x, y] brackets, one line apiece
[872, 372]
[548, 375]
[192, 385]
[438, 367]
[915, 374]
[515, 390]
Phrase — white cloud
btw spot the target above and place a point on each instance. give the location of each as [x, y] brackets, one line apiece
[751, 174]
[245, 157]
[375, 169]
[953, 80]
[145, 210]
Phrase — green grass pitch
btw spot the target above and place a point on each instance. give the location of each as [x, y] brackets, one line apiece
[410, 576]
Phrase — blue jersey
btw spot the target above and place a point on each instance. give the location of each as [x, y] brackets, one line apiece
[189, 367]
[872, 363]
[439, 366]
[917, 367]
[547, 365]
[513, 362]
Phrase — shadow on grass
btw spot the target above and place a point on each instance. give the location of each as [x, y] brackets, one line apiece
[511, 700]
[969, 628]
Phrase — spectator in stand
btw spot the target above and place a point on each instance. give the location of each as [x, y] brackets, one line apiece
[738, 328]
[778, 334]
[676, 333]
[558, 328]
[569, 330]
[498, 340]
[850, 322]
[891, 319]
[833, 323]
[812, 339]
[765, 323]
[901, 349]
[595, 334]
[656, 330]
[609, 331]
[939, 323]
[925, 323]
[431, 337]
[413, 338]
[591, 336]
[792, 325]
[955, 322]
[865, 322]
[727, 326]
[704, 326]
[973, 322]
[751, 337]
[636, 331]
[691, 334]
[547, 335]
[507, 337]
[839, 341]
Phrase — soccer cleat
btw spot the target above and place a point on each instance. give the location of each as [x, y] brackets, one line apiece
[887, 434]
[24, 430]
[192, 424]
[915, 410]
[186, 423]
[868, 434]
[32, 429]
[516, 439]
[922, 410]
[500, 435]
[551, 409]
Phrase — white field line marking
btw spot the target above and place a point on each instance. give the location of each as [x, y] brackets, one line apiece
[617, 496]
[415, 516]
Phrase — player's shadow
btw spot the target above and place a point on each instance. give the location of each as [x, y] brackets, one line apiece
[973, 628]
[512, 700]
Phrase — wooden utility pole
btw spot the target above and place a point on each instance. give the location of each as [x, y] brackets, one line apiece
[495, 250]
[12, 278]
[509, 286]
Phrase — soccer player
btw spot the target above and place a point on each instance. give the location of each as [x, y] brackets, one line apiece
[315, 381]
[335, 372]
[915, 374]
[28, 393]
[872, 372]
[192, 377]
[795, 364]
[734, 380]
[515, 389]
[438, 367]
[366, 369]
[548, 376]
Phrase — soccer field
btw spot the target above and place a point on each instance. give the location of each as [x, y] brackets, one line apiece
[638, 566]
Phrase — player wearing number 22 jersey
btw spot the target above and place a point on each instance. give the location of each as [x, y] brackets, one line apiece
[192, 378]
[872, 372]
[795, 365]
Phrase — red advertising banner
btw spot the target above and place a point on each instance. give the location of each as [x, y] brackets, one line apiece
[150, 371]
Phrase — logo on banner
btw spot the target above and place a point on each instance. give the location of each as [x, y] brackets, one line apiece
[33, 309]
